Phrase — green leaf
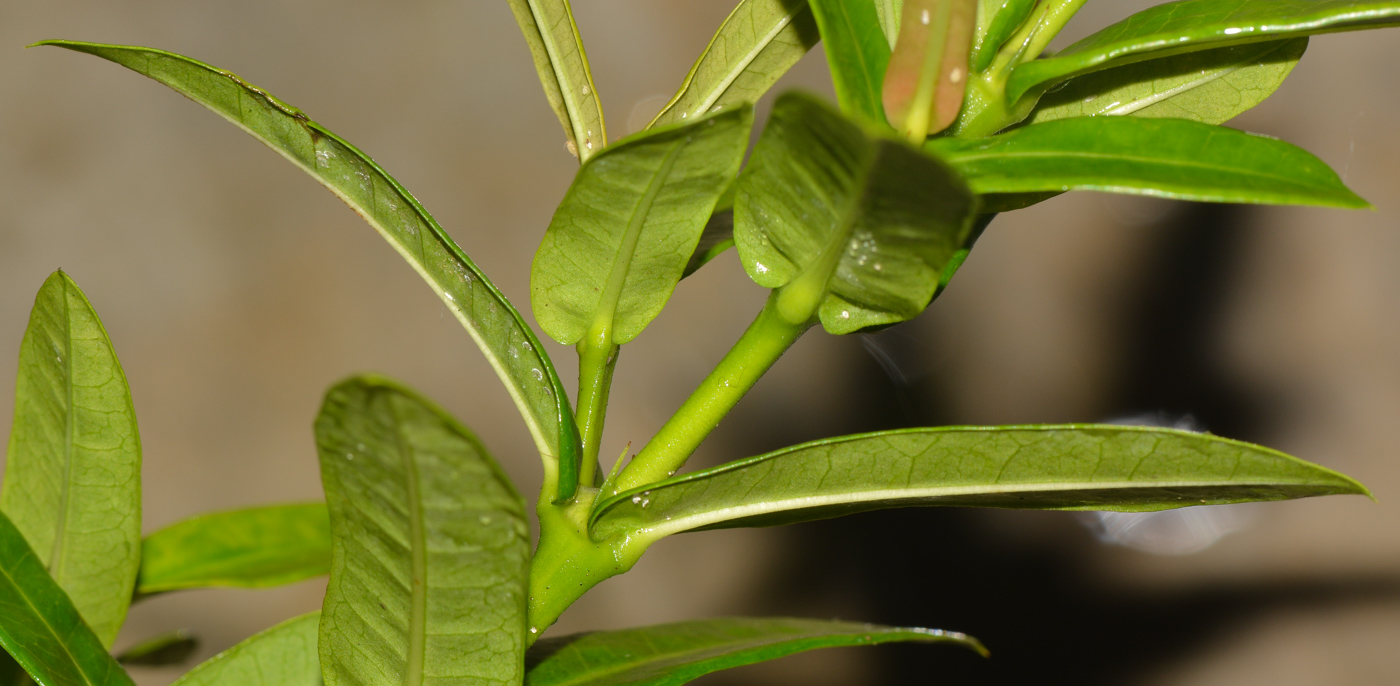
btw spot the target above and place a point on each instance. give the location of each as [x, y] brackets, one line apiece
[857, 52]
[166, 649]
[1169, 158]
[431, 547]
[621, 238]
[562, 64]
[284, 655]
[1210, 86]
[856, 228]
[502, 334]
[253, 548]
[1190, 25]
[890, 12]
[73, 475]
[1069, 467]
[756, 44]
[673, 654]
[39, 626]
[997, 21]
[717, 237]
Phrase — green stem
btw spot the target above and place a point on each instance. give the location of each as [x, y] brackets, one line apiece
[597, 358]
[770, 335]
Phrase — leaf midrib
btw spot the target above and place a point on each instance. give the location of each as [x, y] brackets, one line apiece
[1155, 161]
[57, 558]
[585, 678]
[418, 554]
[738, 68]
[73, 659]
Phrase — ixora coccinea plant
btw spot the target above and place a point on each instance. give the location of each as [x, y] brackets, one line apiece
[856, 217]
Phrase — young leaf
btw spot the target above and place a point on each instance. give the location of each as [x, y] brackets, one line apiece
[170, 648]
[502, 334]
[284, 655]
[857, 52]
[562, 64]
[890, 12]
[39, 626]
[997, 21]
[1210, 86]
[430, 547]
[623, 234]
[1169, 158]
[253, 548]
[673, 654]
[1190, 25]
[756, 44]
[73, 475]
[1071, 467]
[855, 228]
[927, 75]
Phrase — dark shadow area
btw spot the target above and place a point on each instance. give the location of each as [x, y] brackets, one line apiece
[1037, 607]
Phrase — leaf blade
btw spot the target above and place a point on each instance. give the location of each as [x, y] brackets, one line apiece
[858, 54]
[493, 323]
[73, 475]
[1189, 25]
[672, 654]
[757, 43]
[284, 655]
[1168, 158]
[1210, 86]
[621, 238]
[562, 65]
[248, 548]
[1039, 467]
[430, 554]
[41, 628]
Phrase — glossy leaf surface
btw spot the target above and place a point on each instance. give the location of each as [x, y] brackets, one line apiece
[620, 240]
[997, 21]
[284, 655]
[1189, 25]
[857, 53]
[756, 44]
[252, 548]
[39, 626]
[1168, 158]
[1211, 86]
[170, 648]
[502, 334]
[672, 654]
[1071, 467]
[431, 546]
[867, 222]
[73, 474]
[562, 64]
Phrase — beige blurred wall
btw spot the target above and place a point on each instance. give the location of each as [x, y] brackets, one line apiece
[236, 290]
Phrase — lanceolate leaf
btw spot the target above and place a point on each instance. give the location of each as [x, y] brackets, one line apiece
[997, 21]
[1191, 25]
[562, 64]
[284, 655]
[73, 475]
[253, 548]
[1071, 467]
[866, 223]
[890, 12]
[621, 238]
[40, 627]
[431, 547]
[503, 336]
[673, 654]
[1168, 158]
[857, 52]
[1211, 86]
[758, 42]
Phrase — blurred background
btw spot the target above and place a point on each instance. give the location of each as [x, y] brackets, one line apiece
[236, 290]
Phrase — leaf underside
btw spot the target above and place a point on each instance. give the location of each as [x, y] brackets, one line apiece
[40, 628]
[562, 65]
[430, 553]
[857, 53]
[672, 654]
[1069, 467]
[502, 334]
[757, 43]
[252, 548]
[73, 475]
[284, 655]
[1169, 158]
